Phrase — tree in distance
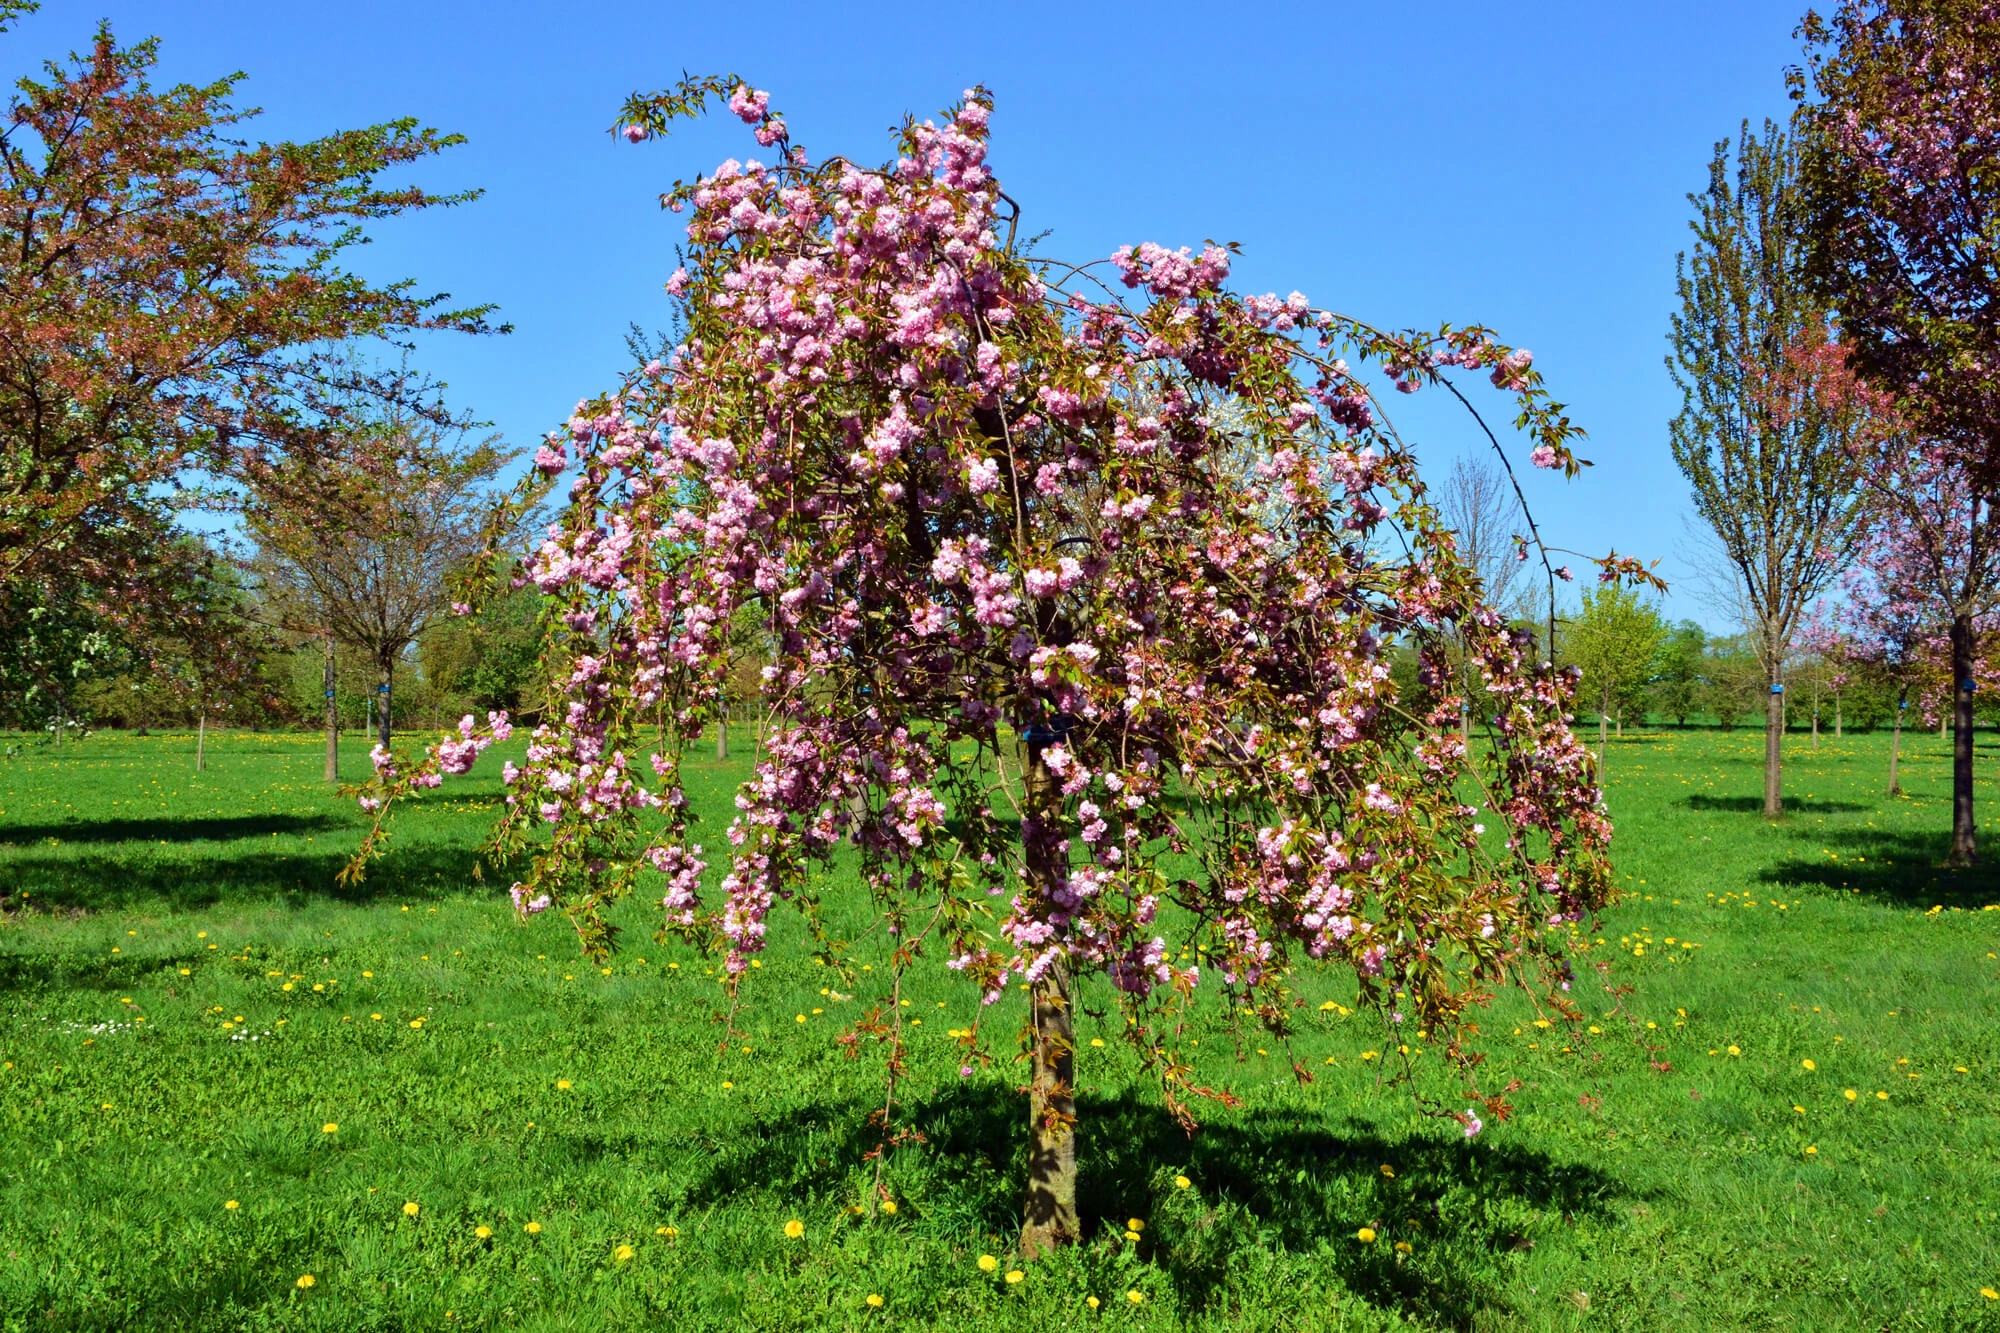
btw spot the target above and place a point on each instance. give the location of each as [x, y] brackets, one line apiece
[1765, 436]
[1611, 643]
[355, 545]
[168, 295]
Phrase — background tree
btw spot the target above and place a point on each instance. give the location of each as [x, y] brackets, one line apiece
[1677, 671]
[1768, 452]
[964, 487]
[167, 295]
[359, 546]
[1478, 503]
[489, 659]
[1612, 642]
[1902, 121]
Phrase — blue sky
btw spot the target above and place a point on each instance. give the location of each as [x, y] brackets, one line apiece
[1523, 166]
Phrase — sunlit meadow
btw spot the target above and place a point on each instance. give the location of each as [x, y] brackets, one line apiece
[237, 1096]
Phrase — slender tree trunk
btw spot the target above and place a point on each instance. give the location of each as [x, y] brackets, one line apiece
[1774, 740]
[1964, 834]
[1603, 736]
[201, 741]
[384, 696]
[332, 713]
[1896, 745]
[1836, 717]
[722, 735]
[1049, 1217]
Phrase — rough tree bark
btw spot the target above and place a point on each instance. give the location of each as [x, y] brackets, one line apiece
[1964, 835]
[1049, 1216]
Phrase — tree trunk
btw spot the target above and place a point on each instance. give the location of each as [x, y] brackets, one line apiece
[1774, 740]
[1836, 717]
[1896, 745]
[1964, 835]
[1049, 1217]
[384, 695]
[201, 742]
[1603, 737]
[332, 714]
[722, 735]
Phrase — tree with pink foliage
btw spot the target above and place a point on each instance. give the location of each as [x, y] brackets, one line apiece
[1927, 602]
[1902, 120]
[1159, 531]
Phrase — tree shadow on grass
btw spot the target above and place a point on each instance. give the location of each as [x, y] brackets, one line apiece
[1903, 868]
[156, 831]
[1754, 805]
[95, 881]
[1264, 1180]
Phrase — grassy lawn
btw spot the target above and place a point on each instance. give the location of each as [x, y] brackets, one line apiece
[222, 1073]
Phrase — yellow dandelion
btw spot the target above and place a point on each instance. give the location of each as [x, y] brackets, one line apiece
[306, 1282]
[874, 1301]
[1989, 1293]
[1091, 1301]
[1182, 1182]
[1015, 1275]
[410, 1209]
[1131, 1235]
[727, 1084]
[798, 1018]
[1735, 1050]
[668, 1232]
[329, 1128]
[533, 1228]
[1850, 1094]
[562, 1085]
[376, 1017]
[1134, 1224]
[1812, 1152]
[1403, 1247]
[1136, 1296]
[794, 1229]
[1366, 1235]
[623, 1254]
[484, 1233]
[1388, 1172]
[1882, 1096]
[232, 1205]
[987, 1263]
[416, 1022]
[889, 1207]
[1808, 1065]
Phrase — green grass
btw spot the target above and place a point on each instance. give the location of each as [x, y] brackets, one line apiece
[1657, 1174]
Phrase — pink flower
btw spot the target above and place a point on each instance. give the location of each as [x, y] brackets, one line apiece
[749, 105]
[634, 133]
[1543, 456]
